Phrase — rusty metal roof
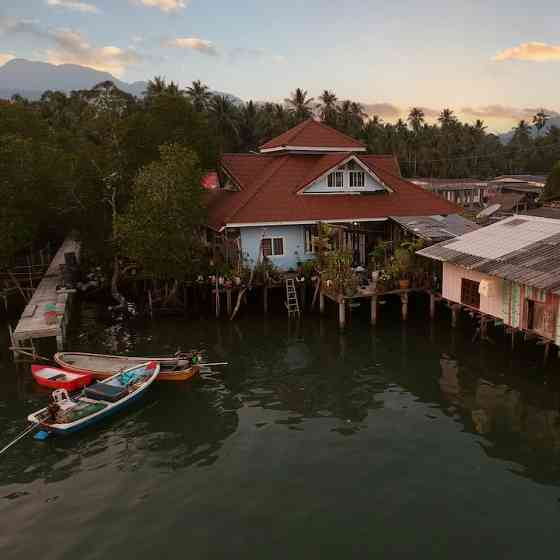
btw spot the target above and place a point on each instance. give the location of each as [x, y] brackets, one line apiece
[436, 228]
[526, 257]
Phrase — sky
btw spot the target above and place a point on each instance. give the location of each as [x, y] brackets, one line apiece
[497, 60]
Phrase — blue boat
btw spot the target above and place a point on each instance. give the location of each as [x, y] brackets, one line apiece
[66, 415]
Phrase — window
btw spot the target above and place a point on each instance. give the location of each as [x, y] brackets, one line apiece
[308, 233]
[357, 178]
[335, 179]
[273, 246]
[469, 293]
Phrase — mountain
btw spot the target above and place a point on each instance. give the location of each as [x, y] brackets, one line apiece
[30, 79]
[554, 121]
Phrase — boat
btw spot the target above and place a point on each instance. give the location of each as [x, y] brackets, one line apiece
[177, 368]
[66, 414]
[55, 378]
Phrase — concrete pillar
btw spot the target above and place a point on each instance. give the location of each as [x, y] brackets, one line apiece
[404, 306]
[321, 302]
[265, 298]
[432, 306]
[342, 314]
[373, 310]
[228, 301]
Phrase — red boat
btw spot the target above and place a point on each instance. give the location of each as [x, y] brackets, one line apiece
[55, 378]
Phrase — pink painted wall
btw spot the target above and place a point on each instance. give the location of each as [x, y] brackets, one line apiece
[452, 276]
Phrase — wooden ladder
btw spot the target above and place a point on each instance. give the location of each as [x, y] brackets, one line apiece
[292, 304]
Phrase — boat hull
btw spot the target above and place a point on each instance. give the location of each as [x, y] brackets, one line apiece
[71, 385]
[114, 364]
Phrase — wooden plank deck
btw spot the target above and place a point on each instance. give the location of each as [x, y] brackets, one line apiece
[33, 323]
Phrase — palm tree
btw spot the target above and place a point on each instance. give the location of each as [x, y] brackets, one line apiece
[300, 104]
[327, 107]
[416, 118]
[224, 116]
[540, 120]
[447, 118]
[200, 95]
[157, 86]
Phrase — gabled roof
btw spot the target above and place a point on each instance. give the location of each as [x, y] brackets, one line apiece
[313, 136]
[269, 188]
[523, 249]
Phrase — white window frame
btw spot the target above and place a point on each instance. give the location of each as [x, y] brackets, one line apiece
[334, 176]
[352, 174]
[272, 238]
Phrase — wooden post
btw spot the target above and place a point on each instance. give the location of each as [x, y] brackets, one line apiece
[432, 306]
[404, 306]
[228, 301]
[217, 297]
[302, 295]
[513, 338]
[373, 310]
[454, 315]
[483, 328]
[342, 313]
[321, 302]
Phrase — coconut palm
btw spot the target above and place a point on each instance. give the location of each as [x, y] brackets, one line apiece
[540, 120]
[301, 104]
[416, 119]
[328, 107]
[224, 116]
[200, 95]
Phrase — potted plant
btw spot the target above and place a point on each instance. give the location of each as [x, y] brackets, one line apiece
[403, 261]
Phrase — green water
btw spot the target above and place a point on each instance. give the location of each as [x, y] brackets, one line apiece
[406, 441]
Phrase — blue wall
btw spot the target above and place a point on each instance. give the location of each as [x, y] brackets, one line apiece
[294, 247]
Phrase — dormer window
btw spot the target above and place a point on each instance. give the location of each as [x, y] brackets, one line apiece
[336, 179]
[357, 178]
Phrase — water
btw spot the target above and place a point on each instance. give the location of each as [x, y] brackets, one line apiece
[401, 441]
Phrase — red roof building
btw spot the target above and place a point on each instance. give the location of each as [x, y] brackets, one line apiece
[311, 173]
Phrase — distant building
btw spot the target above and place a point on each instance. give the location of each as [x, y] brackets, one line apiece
[509, 271]
[463, 192]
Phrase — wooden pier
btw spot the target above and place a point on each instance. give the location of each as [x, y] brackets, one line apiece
[47, 313]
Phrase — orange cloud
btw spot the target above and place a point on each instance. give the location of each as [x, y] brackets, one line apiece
[5, 57]
[534, 52]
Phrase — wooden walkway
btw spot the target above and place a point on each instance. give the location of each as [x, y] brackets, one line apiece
[33, 323]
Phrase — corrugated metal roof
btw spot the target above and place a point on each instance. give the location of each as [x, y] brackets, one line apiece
[436, 227]
[527, 251]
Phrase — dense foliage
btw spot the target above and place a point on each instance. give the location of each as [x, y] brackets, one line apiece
[91, 160]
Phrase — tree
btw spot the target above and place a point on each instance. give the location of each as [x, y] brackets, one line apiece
[552, 187]
[416, 119]
[224, 116]
[328, 107]
[300, 104]
[200, 95]
[540, 120]
[161, 229]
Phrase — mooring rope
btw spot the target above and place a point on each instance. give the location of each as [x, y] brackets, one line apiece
[23, 434]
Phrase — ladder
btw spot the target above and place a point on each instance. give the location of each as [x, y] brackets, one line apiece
[292, 304]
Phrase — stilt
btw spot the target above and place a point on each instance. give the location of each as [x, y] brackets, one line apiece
[228, 301]
[321, 302]
[513, 338]
[302, 295]
[265, 297]
[404, 306]
[342, 314]
[217, 298]
[373, 310]
[455, 315]
[546, 352]
[432, 306]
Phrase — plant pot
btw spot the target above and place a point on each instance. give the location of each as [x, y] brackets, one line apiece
[404, 284]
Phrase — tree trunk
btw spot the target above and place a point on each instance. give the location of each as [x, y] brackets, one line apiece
[117, 296]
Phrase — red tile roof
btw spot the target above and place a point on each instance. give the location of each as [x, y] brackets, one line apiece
[313, 134]
[269, 186]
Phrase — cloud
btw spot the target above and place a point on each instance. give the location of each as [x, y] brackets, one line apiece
[74, 5]
[193, 43]
[166, 5]
[384, 110]
[5, 57]
[71, 47]
[534, 52]
[504, 112]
